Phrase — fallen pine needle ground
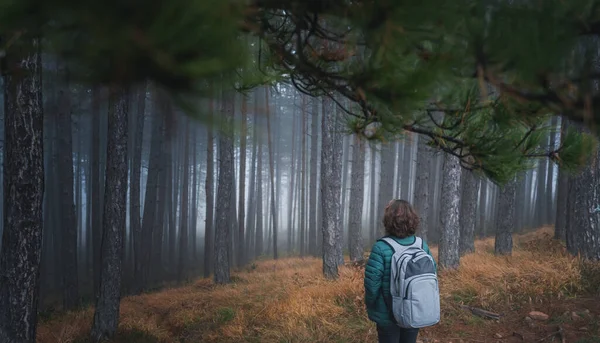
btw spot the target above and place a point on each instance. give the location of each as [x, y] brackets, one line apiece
[289, 301]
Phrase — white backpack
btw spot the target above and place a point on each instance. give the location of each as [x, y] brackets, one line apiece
[414, 286]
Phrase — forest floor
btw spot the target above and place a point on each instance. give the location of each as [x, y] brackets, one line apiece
[289, 301]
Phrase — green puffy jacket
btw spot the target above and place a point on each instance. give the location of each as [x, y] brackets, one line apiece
[377, 278]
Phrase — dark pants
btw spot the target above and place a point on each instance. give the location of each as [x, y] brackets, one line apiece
[396, 334]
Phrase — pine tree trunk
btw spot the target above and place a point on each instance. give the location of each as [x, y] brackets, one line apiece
[540, 195]
[449, 257]
[314, 135]
[583, 223]
[222, 238]
[561, 195]
[330, 186]
[106, 315]
[68, 218]
[550, 212]
[292, 185]
[505, 219]
[251, 218]
[468, 203]
[97, 178]
[386, 179]
[135, 196]
[406, 164]
[422, 186]
[242, 198]
[356, 199]
[195, 204]
[258, 237]
[183, 231]
[24, 190]
[303, 166]
[483, 204]
[373, 195]
[209, 193]
[271, 175]
[144, 237]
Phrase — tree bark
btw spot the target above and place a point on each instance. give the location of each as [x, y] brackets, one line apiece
[303, 149]
[561, 195]
[68, 222]
[209, 193]
[373, 192]
[330, 188]
[222, 237]
[583, 230]
[386, 180]
[505, 219]
[272, 175]
[242, 199]
[314, 132]
[97, 177]
[24, 190]
[144, 235]
[422, 186]
[449, 257]
[106, 315]
[356, 199]
[135, 196]
[185, 208]
[468, 205]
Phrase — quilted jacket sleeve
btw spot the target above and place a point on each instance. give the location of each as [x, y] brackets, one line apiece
[426, 248]
[373, 276]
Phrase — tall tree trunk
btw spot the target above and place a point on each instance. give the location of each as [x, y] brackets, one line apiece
[106, 315]
[449, 257]
[330, 186]
[373, 205]
[242, 197]
[24, 191]
[386, 179]
[505, 219]
[292, 185]
[540, 194]
[97, 177]
[185, 197]
[222, 238]
[258, 237]
[144, 238]
[561, 194]
[468, 203]
[209, 193]
[251, 218]
[135, 196]
[422, 186]
[356, 199]
[303, 182]
[483, 206]
[583, 230]
[194, 206]
[406, 166]
[314, 132]
[68, 220]
[271, 174]
[549, 219]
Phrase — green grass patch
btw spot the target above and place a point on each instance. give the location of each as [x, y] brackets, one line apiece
[225, 314]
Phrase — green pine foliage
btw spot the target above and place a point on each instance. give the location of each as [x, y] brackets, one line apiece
[480, 79]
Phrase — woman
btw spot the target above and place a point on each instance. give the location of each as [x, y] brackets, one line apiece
[401, 222]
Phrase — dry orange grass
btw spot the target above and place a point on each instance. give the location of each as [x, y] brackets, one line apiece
[289, 300]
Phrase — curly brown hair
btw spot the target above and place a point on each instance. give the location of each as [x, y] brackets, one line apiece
[400, 219]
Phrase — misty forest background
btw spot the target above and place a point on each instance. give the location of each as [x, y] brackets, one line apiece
[274, 172]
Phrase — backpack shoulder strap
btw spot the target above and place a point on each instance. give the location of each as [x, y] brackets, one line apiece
[418, 242]
[392, 243]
